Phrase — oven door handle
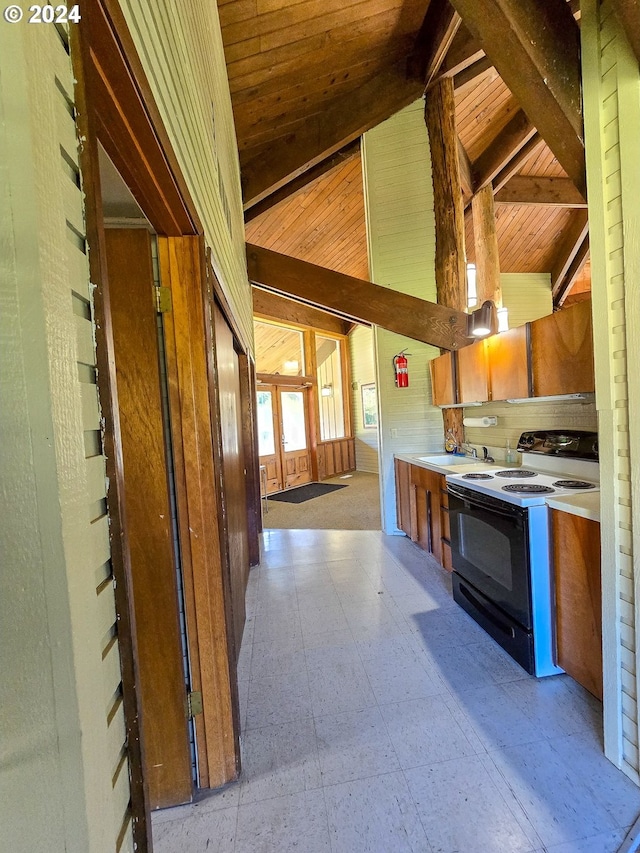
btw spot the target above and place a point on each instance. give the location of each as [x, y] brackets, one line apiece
[479, 503]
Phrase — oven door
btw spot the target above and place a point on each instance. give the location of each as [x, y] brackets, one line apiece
[490, 549]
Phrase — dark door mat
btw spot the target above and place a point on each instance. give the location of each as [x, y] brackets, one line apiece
[305, 493]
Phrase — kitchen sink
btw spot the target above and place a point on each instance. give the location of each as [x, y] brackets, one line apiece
[449, 459]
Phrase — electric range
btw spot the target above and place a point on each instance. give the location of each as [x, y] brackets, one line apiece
[499, 530]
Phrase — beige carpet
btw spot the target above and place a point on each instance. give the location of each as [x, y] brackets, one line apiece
[355, 508]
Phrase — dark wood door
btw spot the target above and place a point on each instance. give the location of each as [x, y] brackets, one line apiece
[148, 518]
[234, 471]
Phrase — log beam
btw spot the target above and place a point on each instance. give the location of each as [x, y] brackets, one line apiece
[575, 268]
[357, 299]
[465, 50]
[339, 158]
[344, 120]
[486, 247]
[551, 192]
[447, 198]
[528, 151]
[536, 49]
[433, 41]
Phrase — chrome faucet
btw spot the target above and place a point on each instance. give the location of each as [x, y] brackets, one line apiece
[485, 456]
[470, 451]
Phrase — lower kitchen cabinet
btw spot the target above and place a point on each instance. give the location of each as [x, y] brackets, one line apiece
[576, 557]
[422, 512]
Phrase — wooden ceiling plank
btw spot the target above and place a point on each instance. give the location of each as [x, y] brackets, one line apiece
[628, 14]
[554, 192]
[569, 247]
[536, 50]
[503, 149]
[271, 306]
[349, 152]
[529, 149]
[470, 76]
[433, 41]
[342, 122]
[357, 299]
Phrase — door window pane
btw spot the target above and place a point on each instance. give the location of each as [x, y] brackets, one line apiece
[278, 350]
[266, 439]
[294, 432]
[330, 392]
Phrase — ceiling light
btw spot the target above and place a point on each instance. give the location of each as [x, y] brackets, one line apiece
[291, 365]
[482, 321]
[503, 319]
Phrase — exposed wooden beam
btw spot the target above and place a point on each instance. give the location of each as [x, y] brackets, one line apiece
[536, 50]
[344, 155]
[501, 150]
[573, 273]
[447, 198]
[469, 76]
[628, 13]
[272, 306]
[486, 247]
[570, 246]
[528, 151]
[433, 41]
[465, 50]
[553, 192]
[344, 120]
[357, 299]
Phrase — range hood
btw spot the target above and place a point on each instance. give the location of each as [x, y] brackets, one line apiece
[586, 397]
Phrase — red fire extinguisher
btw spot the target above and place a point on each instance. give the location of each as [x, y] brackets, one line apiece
[400, 366]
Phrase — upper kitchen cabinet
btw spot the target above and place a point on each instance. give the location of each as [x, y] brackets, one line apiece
[509, 365]
[562, 352]
[473, 374]
[443, 379]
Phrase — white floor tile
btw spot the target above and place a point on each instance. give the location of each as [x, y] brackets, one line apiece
[375, 815]
[213, 831]
[278, 699]
[461, 809]
[296, 822]
[339, 687]
[353, 745]
[496, 720]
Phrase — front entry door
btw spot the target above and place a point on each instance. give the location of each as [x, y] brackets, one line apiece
[296, 456]
[283, 436]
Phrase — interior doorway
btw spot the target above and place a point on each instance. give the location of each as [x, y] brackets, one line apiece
[283, 436]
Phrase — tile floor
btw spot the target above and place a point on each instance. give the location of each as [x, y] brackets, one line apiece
[378, 717]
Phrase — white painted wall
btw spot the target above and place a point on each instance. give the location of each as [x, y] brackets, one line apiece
[363, 372]
[401, 238]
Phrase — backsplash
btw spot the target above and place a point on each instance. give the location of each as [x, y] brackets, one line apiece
[515, 418]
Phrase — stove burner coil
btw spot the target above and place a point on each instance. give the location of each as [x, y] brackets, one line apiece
[573, 484]
[516, 473]
[528, 489]
[477, 477]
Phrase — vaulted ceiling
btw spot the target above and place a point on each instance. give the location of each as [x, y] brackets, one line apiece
[308, 78]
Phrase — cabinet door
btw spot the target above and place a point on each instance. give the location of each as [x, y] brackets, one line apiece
[443, 386]
[473, 374]
[403, 496]
[509, 371]
[562, 352]
[427, 495]
[576, 555]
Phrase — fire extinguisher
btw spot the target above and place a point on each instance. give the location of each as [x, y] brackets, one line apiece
[400, 367]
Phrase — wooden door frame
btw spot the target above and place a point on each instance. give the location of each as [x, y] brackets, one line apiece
[116, 107]
[280, 387]
[273, 390]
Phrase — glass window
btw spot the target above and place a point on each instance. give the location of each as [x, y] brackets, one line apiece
[278, 350]
[330, 391]
[293, 422]
[266, 438]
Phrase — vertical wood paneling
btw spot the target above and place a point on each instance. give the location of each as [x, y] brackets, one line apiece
[363, 372]
[180, 47]
[401, 236]
[612, 127]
